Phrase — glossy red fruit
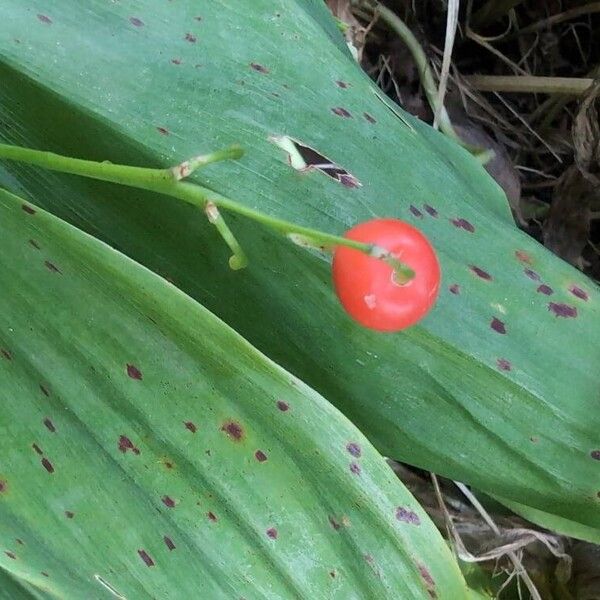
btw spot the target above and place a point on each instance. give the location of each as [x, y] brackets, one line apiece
[366, 286]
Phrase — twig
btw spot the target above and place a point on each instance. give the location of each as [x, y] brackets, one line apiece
[485, 41]
[533, 131]
[573, 13]
[425, 74]
[554, 104]
[512, 555]
[451, 26]
[493, 10]
[530, 84]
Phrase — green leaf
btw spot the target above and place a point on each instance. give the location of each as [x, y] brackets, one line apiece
[498, 386]
[149, 449]
[12, 589]
[554, 523]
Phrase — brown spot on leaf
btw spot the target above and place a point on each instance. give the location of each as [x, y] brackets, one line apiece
[595, 454]
[136, 22]
[342, 84]
[282, 406]
[28, 209]
[19, 541]
[3, 486]
[162, 130]
[134, 372]
[126, 444]
[37, 449]
[211, 516]
[480, 273]
[407, 516]
[190, 37]
[47, 465]
[463, 224]
[34, 244]
[429, 582]
[233, 430]
[432, 212]
[260, 456]
[523, 257]
[498, 326]
[45, 574]
[369, 118]
[69, 514]
[168, 501]
[10, 554]
[49, 424]
[415, 211]
[354, 449]
[176, 61]
[341, 112]
[503, 364]
[146, 558]
[52, 267]
[531, 274]
[272, 533]
[169, 543]
[534, 439]
[454, 289]
[579, 293]
[6, 353]
[190, 426]
[45, 19]
[259, 68]
[545, 289]
[334, 522]
[562, 310]
[332, 574]
[355, 468]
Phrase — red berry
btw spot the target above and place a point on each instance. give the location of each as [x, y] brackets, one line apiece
[366, 286]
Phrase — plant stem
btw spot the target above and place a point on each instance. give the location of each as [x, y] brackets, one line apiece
[166, 181]
[425, 73]
[426, 76]
[187, 167]
[493, 10]
[238, 259]
[529, 84]
[573, 13]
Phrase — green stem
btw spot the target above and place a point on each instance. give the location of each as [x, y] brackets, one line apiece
[238, 259]
[166, 181]
[187, 167]
[425, 73]
[426, 76]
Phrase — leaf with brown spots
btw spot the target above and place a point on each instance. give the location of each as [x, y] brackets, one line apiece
[431, 396]
[261, 457]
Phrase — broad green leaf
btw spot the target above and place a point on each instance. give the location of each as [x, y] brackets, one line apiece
[149, 449]
[553, 522]
[498, 386]
[11, 589]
